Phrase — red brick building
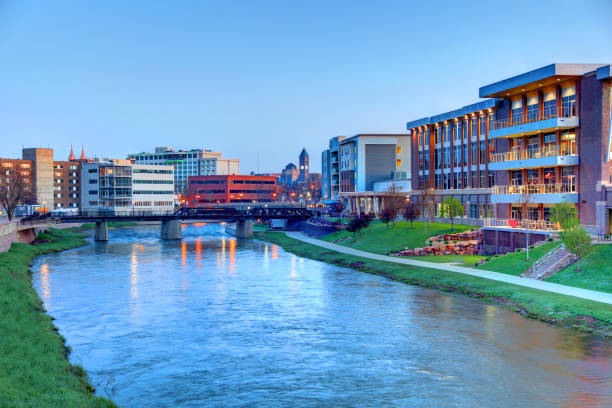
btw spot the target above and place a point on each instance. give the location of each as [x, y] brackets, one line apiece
[230, 189]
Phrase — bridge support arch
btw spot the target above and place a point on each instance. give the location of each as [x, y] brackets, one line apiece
[171, 229]
[101, 232]
[244, 228]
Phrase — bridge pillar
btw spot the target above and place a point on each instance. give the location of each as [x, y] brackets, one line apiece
[101, 233]
[171, 229]
[244, 228]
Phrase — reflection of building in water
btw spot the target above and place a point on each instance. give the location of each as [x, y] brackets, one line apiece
[134, 272]
[232, 256]
[184, 254]
[274, 251]
[46, 287]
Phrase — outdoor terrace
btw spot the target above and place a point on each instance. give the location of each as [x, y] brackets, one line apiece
[545, 156]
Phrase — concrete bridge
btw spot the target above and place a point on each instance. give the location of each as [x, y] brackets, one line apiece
[244, 215]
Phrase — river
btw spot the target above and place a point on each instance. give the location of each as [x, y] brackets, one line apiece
[216, 321]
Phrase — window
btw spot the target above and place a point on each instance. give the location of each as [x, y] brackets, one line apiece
[464, 180]
[420, 138]
[532, 108]
[447, 157]
[568, 101]
[421, 167]
[517, 177]
[474, 179]
[491, 178]
[427, 136]
[456, 181]
[483, 179]
[93, 181]
[533, 144]
[92, 171]
[517, 213]
[532, 176]
[550, 104]
[483, 125]
[474, 127]
[438, 158]
[568, 142]
[438, 180]
[568, 179]
[466, 152]
[436, 135]
[549, 143]
[517, 111]
[457, 131]
[447, 181]
[457, 155]
[483, 152]
[93, 192]
[549, 175]
[474, 152]
[398, 149]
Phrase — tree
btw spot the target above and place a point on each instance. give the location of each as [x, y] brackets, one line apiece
[14, 190]
[578, 242]
[429, 204]
[526, 199]
[565, 215]
[452, 208]
[410, 212]
[394, 201]
[357, 224]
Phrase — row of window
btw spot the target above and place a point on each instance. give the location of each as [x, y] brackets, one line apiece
[10, 165]
[462, 129]
[153, 192]
[459, 180]
[154, 203]
[137, 181]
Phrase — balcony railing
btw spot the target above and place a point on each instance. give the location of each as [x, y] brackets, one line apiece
[565, 113]
[526, 189]
[534, 225]
[524, 154]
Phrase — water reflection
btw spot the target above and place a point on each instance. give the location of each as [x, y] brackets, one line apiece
[225, 321]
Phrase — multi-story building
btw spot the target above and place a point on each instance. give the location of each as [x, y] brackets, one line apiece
[330, 169]
[231, 189]
[66, 184]
[186, 163]
[289, 174]
[123, 186]
[450, 157]
[543, 139]
[9, 166]
[304, 161]
[366, 159]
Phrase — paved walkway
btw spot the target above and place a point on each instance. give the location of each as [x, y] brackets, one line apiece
[496, 276]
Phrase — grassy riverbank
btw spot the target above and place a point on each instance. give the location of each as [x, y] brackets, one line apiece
[34, 368]
[563, 310]
[516, 263]
[382, 239]
[596, 273]
[115, 224]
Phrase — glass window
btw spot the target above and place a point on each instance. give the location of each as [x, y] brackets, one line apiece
[549, 175]
[550, 108]
[466, 152]
[568, 101]
[474, 152]
[464, 180]
[483, 125]
[549, 143]
[437, 131]
[532, 176]
[517, 213]
[533, 144]
[438, 158]
[532, 108]
[438, 180]
[568, 142]
[491, 178]
[456, 181]
[457, 155]
[457, 131]
[483, 179]
[474, 179]
[447, 181]
[517, 177]
[517, 111]
[447, 157]
[483, 152]
[427, 136]
[474, 127]
[568, 179]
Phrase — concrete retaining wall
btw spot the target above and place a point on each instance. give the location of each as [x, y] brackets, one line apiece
[8, 235]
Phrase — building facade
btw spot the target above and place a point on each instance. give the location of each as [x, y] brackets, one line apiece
[186, 163]
[542, 139]
[231, 189]
[330, 171]
[304, 162]
[66, 184]
[122, 186]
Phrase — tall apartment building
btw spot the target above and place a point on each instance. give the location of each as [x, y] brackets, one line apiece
[123, 186]
[186, 163]
[546, 141]
[330, 170]
[231, 189]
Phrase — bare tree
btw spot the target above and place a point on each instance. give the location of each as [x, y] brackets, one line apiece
[428, 204]
[14, 190]
[394, 201]
[410, 212]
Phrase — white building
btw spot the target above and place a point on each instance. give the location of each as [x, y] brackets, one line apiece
[122, 186]
[195, 162]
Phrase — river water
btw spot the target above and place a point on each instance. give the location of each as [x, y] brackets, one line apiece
[216, 321]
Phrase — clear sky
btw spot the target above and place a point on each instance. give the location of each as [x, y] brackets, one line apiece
[267, 77]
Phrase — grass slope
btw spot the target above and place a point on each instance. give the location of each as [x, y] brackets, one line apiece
[569, 311]
[114, 224]
[516, 263]
[382, 239]
[34, 368]
[596, 271]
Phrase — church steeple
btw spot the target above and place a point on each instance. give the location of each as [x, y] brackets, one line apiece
[83, 157]
[71, 157]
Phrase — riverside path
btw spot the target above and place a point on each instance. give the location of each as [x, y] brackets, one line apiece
[496, 276]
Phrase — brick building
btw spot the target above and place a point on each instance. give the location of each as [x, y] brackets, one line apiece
[231, 189]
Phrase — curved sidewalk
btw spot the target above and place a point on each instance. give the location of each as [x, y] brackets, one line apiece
[496, 276]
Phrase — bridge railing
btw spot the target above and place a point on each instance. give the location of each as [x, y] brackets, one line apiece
[113, 213]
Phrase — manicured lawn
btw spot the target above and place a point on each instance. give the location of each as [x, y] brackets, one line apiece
[382, 239]
[34, 368]
[546, 306]
[340, 220]
[596, 271]
[516, 263]
[462, 260]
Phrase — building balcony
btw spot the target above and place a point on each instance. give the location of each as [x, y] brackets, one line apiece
[535, 194]
[501, 224]
[540, 123]
[548, 156]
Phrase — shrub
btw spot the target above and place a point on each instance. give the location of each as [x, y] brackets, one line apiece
[531, 247]
[550, 240]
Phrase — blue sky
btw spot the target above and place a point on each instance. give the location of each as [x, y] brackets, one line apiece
[264, 77]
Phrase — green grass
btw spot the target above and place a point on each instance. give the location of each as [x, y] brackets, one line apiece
[584, 315]
[115, 224]
[382, 239]
[596, 271]
[340, 220]
[516, 263]
[463, 260]
[34, 368]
